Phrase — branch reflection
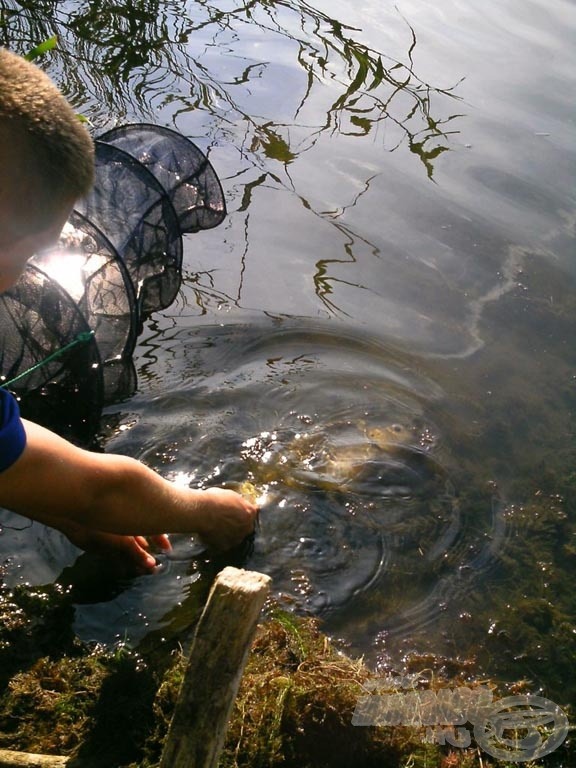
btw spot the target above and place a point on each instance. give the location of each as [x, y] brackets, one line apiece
[269, 77]
[132, 58]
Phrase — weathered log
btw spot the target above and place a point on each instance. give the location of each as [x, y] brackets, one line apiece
[214, 668]
[9, 759]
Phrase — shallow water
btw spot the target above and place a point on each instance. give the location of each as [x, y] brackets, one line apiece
[379, 337]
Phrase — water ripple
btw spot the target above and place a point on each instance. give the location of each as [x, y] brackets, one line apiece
[332, 428]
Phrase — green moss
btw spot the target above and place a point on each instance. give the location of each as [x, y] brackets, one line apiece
[294, 707]
[47, 708]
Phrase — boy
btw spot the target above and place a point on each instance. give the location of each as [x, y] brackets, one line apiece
[97, 500]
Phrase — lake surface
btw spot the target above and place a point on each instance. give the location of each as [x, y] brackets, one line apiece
[380, 337]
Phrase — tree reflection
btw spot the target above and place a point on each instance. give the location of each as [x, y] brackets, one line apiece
[129, 58]
[163, 60]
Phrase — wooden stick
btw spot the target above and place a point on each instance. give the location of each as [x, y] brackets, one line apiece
[215, 665]
[9, 759]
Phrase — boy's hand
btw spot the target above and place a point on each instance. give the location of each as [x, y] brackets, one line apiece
[227, 519]
[134, 549]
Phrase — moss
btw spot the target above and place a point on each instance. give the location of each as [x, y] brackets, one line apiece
[294, 707]
[123, 714]
[48, 707]
[97, 707]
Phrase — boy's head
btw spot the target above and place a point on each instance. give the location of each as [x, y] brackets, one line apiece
[46, 163]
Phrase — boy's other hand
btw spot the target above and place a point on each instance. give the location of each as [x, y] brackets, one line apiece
[134, 551]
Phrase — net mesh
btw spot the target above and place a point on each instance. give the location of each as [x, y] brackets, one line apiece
[118, 260]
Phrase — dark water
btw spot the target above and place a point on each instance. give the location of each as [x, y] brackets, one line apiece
[379, 337]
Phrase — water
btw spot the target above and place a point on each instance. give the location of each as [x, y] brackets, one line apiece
[379, 337]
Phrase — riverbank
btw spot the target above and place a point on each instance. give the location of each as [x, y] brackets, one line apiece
[297, 704]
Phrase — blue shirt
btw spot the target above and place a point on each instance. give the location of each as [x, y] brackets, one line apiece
[12, 434]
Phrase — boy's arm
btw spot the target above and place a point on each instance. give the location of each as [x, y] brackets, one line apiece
[62, 485]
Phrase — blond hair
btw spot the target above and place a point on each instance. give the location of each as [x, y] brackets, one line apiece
[41, 139]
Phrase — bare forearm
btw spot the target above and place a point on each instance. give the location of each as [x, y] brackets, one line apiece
[58, 484]
[122, 495]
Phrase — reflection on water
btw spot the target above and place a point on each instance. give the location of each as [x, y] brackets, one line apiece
[380, 337]
[118, 59]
